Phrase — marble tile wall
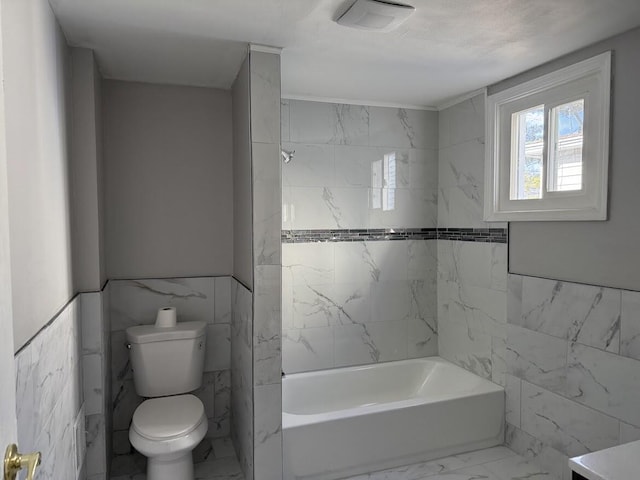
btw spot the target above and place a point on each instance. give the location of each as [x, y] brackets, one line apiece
[267, 265]
[358, 302]
[572, 380]
[357, 167]
[242, 375]
[135, 302]
[96, 374]
[472, 276]
[49, 396]
[338, 178]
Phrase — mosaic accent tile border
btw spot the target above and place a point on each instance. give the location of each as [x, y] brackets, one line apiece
[487, 235]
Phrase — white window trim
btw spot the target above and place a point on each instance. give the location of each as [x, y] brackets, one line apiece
[587, 204]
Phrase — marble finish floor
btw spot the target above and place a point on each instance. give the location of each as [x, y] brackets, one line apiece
[214, 459]
[497, 463]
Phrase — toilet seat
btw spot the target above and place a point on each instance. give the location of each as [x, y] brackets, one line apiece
[166, 418]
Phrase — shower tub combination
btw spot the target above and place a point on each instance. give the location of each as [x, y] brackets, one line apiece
[353, 420]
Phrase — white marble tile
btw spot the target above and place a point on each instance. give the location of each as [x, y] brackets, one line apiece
[541, 454]
[423, 167]
[423, 260]
[96, 461]
[399, 127]
[284, 120]
[93, 380]
[512, 403]
[538, 358]
[467, 348]
[462, 122]
[226, 468]
[222, 295]
[29, 418]
[307, 349]
[92, 322]
[267, 325]
[514, 299]
[317, 122]
[604, 381]
[321, 208]
[393, 301]
[517, 468]
[628, 433]
[461, 206]
[499, 367]
[312, 166]
[423, 299]
[422, 337]
[268, 431]
[412, 208]
[565, 425]
[314, 306]
[206, 393]
[371, 343]
[462, 164]
[265, 97]
[267, 207]
[580, 313]
[309, 263]
[136, 302]
[124, 402]
[363, 262]
[354, 165]
[630, 325]
[218, 352]
[222, 392]
[241, 381]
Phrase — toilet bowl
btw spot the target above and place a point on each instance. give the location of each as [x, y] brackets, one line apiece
[167, 363]
[166, 430]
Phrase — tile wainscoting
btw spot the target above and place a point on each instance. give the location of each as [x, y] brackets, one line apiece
[49, 396]
[242, 374]
[135, 302]
[573, 369]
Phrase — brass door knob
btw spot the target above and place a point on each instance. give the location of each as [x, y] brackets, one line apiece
[14, 462]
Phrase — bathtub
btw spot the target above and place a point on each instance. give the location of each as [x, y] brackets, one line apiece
[348, 421]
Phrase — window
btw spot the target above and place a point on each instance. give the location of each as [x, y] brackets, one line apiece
[548, 146]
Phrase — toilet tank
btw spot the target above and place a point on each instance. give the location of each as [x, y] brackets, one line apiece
[167, 361]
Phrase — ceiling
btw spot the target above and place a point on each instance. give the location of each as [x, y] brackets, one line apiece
[445, 49]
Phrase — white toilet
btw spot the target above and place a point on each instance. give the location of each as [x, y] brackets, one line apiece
[167, 364]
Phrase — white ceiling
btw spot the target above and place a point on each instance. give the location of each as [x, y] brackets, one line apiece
[447, 48]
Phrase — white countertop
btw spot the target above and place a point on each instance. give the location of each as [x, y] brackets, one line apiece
[616, 463]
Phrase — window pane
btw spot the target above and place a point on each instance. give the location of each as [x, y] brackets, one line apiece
[565, 159]
[527, 143]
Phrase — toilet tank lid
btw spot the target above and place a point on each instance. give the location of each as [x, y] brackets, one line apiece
[151, 333]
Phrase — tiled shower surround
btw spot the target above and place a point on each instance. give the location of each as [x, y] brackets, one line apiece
[360, 169]
[135, 302]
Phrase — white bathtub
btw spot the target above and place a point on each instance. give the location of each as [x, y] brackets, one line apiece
[348, 421]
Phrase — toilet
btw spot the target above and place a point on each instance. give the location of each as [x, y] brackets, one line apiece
[167, 364]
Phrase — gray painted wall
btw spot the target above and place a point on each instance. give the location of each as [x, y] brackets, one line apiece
[37, 102]
[168, 180]
[242, 219]
[86, 174]
[600, 253]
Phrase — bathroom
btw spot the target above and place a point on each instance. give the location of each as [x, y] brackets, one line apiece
[314, 233]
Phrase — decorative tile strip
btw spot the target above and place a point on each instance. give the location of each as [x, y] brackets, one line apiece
[492, 235]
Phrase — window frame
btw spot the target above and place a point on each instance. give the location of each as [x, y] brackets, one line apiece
[589, 80]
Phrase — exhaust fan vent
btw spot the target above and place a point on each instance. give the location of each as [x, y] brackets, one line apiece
[375, 15]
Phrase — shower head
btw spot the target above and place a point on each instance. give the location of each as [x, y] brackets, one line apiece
[287, 155]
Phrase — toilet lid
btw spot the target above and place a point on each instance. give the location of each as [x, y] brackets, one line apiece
[168, 417]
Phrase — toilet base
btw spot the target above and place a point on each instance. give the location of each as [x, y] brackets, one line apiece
[170, 467]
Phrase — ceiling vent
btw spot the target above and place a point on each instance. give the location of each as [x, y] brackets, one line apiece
[375, 15]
